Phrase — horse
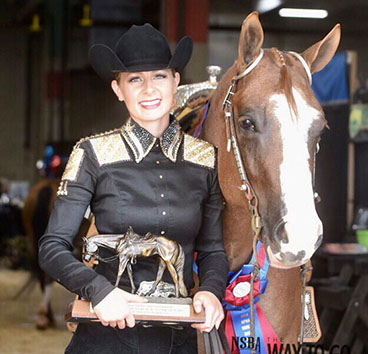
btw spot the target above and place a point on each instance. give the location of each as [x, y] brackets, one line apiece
[130, 246]
[36, 212]
[277, 122]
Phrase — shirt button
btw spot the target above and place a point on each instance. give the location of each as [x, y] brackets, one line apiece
[162, 195]
[161, 176]
[158, 162]
[157, 145]
[164, 213]
[162, 232]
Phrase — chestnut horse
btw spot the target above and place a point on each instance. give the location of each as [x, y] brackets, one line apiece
[36, 212]
[278, 122]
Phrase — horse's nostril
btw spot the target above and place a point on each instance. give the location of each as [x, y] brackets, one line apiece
[280, 233]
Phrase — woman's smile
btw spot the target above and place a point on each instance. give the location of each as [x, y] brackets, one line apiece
[149, 96]
[150, 104]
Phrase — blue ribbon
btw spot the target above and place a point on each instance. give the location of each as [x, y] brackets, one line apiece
[241, 314]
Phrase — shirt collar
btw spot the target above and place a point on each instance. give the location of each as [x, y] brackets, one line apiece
[141, 141]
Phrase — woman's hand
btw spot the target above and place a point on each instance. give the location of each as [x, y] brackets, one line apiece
[213, 310]
[113, 310]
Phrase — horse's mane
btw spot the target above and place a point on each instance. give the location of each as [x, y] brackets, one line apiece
[286, 83]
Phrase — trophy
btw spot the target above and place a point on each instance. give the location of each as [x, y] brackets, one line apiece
[167, 303]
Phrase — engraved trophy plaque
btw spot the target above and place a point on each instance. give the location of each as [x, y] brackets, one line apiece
[164, 306]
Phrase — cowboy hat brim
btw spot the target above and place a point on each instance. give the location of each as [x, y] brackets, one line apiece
[106, 63]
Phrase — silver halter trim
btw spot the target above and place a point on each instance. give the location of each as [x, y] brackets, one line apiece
[260, 56]
[305, 65]
[252, 66]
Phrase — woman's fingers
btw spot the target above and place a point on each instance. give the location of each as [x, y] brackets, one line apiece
[112, 323]
[130, 321]
[121, 324]
[213, 310]
[219, 319]
[114, 309]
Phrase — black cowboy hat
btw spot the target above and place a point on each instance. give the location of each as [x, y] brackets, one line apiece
[141, 48]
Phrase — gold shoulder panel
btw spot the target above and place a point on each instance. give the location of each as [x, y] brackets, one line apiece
[199, 152]
[109, 148]
[73, 165]
[71, 170]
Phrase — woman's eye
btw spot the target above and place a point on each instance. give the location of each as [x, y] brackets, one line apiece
[161, 76]
[134, 79]
[247, 124]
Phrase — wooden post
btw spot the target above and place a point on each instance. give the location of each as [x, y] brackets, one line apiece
[188, 17]
[357, 309]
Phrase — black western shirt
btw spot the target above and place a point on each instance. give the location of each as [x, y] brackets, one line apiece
[167, 186]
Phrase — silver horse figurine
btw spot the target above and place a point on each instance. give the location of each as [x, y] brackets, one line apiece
[130, 246]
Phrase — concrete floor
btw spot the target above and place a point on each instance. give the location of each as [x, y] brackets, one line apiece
[18, 334]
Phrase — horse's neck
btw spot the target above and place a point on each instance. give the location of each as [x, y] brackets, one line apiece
[237, 223]
[105, 241]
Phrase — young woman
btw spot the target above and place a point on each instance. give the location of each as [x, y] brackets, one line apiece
[148, 175]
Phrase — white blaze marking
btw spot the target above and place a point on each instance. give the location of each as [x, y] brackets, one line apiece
[303, 224]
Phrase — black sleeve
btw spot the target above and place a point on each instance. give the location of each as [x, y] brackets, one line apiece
[212, 261]
[55, 247]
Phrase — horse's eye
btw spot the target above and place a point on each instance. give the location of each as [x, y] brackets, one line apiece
[247, 124]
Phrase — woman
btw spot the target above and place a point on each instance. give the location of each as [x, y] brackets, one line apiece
[148, 175]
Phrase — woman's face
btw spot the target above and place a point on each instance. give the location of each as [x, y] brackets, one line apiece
[148, 95]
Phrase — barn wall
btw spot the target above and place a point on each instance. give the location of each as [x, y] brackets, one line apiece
[15, 162]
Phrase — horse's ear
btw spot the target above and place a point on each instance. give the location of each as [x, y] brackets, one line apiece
[319, 54]
[251, 39]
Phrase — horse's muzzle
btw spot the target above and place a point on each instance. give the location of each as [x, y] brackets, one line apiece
[292, 245]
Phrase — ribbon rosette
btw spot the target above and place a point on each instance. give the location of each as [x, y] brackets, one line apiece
[235, 299]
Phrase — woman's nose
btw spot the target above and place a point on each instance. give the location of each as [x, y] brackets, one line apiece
[148, 86]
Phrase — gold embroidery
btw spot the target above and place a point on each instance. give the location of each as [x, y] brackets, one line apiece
[198, 151]
[62, 188]
[71, 170]
[73, 165]
[109, 149]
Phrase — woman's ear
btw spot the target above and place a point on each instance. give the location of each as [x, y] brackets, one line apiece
[177, 79]
[115, 87]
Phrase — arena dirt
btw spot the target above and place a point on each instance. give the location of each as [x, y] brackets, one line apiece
[18, 334]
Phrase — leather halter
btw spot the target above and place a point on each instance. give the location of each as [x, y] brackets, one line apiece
[246, 187]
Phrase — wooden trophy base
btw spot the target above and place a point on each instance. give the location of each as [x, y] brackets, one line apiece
[167, 311]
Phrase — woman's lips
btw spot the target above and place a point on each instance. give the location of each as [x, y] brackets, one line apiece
[150, 104]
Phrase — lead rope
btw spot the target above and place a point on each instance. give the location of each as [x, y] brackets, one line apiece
[250, 195]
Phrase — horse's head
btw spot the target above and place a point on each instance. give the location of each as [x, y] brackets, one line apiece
[278, 122]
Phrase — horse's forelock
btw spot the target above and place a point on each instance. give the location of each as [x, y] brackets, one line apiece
[286, 83]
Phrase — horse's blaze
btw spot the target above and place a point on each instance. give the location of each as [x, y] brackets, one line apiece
[299, 231]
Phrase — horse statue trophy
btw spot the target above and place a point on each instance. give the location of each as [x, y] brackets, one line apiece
[265, 111]
[167, 303]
